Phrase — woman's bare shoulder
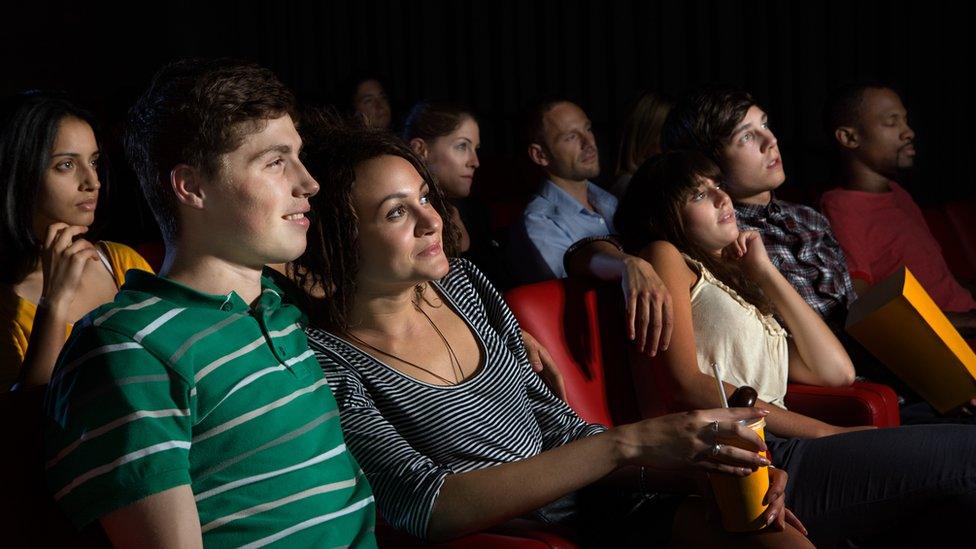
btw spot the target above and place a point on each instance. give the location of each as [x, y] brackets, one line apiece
[668, 261]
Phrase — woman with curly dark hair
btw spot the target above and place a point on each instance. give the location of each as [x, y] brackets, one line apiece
[438, 403]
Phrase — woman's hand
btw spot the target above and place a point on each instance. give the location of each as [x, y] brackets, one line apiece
[748, 249]
[689, 441]
[63, 259]
[776, 514]
[542, 363]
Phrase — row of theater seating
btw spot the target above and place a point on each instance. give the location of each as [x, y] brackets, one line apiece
[581, 326]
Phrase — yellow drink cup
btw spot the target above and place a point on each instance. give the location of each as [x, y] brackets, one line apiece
[740, 499]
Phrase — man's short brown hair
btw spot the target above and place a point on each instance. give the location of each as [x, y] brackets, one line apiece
[193, 112]
[704, 121]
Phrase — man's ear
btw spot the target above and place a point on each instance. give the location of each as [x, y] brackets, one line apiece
[187, 183]
[847, 137]
[538, 155]
[419, 146]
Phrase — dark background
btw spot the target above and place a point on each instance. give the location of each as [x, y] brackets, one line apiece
[499, 55]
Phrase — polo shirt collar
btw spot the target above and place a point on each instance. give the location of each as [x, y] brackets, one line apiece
[563, 200]
[185, 296]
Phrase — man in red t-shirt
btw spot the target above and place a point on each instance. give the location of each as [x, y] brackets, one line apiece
[878, 225]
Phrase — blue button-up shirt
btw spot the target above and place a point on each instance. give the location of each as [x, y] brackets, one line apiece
[554, 221]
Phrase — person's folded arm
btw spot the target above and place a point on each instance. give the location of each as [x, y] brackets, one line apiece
[692, 389]
[816, 356]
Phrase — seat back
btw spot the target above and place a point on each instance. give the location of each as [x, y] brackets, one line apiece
[962, 217]
[581, 325]
[952, 240]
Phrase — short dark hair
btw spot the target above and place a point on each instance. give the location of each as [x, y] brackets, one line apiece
[28, 127]
[334, 148]
[533, 125]
[429, 120]
[705, 119]
[843, 104]
[193, 112]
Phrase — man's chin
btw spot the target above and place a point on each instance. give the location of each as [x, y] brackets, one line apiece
[284, 256]
[591, 173]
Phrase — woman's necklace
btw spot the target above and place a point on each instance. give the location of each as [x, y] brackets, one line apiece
[455, 362]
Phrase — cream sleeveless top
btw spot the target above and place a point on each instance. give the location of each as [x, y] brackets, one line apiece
[750, 347]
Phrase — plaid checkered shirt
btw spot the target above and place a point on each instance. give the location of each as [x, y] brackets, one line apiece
[801, 245]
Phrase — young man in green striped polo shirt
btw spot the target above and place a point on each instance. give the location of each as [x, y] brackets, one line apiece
[190, 410]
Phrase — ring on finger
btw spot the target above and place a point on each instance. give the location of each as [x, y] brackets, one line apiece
[716, 448]
[713, 426]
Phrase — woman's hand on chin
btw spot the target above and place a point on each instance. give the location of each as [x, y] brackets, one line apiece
[63, 258]
[750, 252]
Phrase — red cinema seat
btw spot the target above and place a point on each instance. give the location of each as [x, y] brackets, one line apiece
[580, 324]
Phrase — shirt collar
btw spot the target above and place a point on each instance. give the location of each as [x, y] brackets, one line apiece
[599, 198]
[753, 211]
[185, 296]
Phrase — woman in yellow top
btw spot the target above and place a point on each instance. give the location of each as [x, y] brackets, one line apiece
[50, 276]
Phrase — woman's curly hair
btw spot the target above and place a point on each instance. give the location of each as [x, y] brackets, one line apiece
[334, 148]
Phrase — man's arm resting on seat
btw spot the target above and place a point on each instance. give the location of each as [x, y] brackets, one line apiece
[165, 519]
[646, 297]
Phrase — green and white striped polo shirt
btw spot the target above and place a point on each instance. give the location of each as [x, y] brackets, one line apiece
[167, 386]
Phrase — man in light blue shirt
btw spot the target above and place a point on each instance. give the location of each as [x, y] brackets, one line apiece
[570, 213]
[568, 207]
[554, 221]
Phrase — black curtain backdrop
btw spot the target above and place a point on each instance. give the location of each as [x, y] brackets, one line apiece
[499, 55]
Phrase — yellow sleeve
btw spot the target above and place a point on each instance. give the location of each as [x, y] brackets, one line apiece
[122, 258]
[17, 321]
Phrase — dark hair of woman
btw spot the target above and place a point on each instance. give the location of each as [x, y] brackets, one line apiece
[29, 124]
[334, 148]
[429, 120]
[651, 210]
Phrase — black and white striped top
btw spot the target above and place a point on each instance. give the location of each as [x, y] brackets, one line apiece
[408, 435]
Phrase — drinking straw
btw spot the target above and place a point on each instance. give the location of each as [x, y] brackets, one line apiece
[721, 387]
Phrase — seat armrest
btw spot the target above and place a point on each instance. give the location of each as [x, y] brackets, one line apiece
[862, 403]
